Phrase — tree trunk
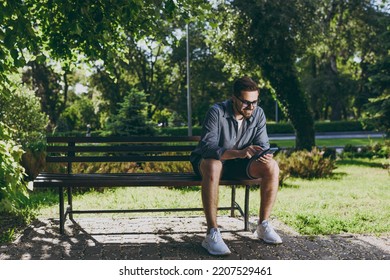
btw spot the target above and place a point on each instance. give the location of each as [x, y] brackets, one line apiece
[285, 82]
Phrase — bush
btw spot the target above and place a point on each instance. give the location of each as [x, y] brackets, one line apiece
[78, 115]
[14, 200]
[375, 150]
[21, 111]
[13, 190]
[304, 164]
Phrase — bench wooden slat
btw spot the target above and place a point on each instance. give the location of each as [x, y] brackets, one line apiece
[117, 158]
[138, 148]
[122, 139]
[127, 180]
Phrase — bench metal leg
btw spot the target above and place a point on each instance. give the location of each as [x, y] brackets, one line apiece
[233, 201]
[70, 203]
[62, 213]
[246, 208]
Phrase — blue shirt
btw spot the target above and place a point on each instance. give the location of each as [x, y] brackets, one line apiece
[219, 132]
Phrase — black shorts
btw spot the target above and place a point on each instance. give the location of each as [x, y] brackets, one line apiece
[232, 169]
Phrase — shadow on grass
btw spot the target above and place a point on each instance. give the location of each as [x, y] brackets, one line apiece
[337, 175]
[333, 176]
[290, 186]
[359, 162]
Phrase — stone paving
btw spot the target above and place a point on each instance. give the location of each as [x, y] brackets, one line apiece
[179, 238]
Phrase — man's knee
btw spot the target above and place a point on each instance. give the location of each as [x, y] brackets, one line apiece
[211, 169]
[269, 170]
[274, 167]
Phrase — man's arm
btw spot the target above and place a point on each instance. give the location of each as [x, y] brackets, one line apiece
[210, 135]
[261, 136]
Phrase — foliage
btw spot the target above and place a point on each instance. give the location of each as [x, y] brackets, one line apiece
[209, 83]
[319, 50]
[13, 191]
[272, 35]
[21, 111]
[304, 164]
[131, 119]
[47, 86]
[16, 35]
[330, 95]
[378, 108]
[375, 150]
[378, 113]
[78, 115]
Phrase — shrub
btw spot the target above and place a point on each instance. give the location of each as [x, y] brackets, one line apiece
[13, 190]
[21, 111]
[375, 150]
[14, 200]
[304, 164]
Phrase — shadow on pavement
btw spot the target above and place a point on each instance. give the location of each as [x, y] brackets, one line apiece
[173, 238]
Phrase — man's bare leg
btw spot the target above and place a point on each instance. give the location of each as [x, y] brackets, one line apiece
[211, 173]
[269, 172]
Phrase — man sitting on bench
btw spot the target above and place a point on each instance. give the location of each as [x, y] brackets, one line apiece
[233, 132]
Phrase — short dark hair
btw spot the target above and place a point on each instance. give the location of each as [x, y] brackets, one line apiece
[244, 84]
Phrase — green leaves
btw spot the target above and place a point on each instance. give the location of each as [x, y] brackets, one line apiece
[12, 185]
[130, 119]
[304, 164]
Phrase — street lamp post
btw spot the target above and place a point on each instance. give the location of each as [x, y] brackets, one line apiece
[189, 110]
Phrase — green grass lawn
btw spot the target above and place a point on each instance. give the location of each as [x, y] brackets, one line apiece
[355, 200]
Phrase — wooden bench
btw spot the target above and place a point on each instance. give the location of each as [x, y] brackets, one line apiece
[71, 150]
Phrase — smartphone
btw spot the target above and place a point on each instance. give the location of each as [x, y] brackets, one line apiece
[264, 152]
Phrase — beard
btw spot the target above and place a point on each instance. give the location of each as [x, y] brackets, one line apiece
[246, 113]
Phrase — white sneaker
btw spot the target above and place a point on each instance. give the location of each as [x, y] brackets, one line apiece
[265, 232]
[214, 244]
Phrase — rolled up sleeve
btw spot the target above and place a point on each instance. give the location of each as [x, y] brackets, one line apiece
[209, 145]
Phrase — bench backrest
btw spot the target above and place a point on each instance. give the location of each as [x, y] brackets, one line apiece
[119, 149]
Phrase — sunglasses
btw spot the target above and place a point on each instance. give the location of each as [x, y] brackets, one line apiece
[247, 104]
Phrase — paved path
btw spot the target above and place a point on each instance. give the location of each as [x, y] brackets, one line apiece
[173, 238]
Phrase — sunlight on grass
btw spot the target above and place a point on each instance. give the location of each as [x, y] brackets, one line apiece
[355, 200]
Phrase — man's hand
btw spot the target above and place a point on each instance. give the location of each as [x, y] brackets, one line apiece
[266, 158]
[249, 151]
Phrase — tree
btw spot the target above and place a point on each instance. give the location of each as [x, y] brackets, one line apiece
[52, 94]
[131, 117]
[209, 82]
[266, 37]
[378, 109]
[64, 30]
[347, 43]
